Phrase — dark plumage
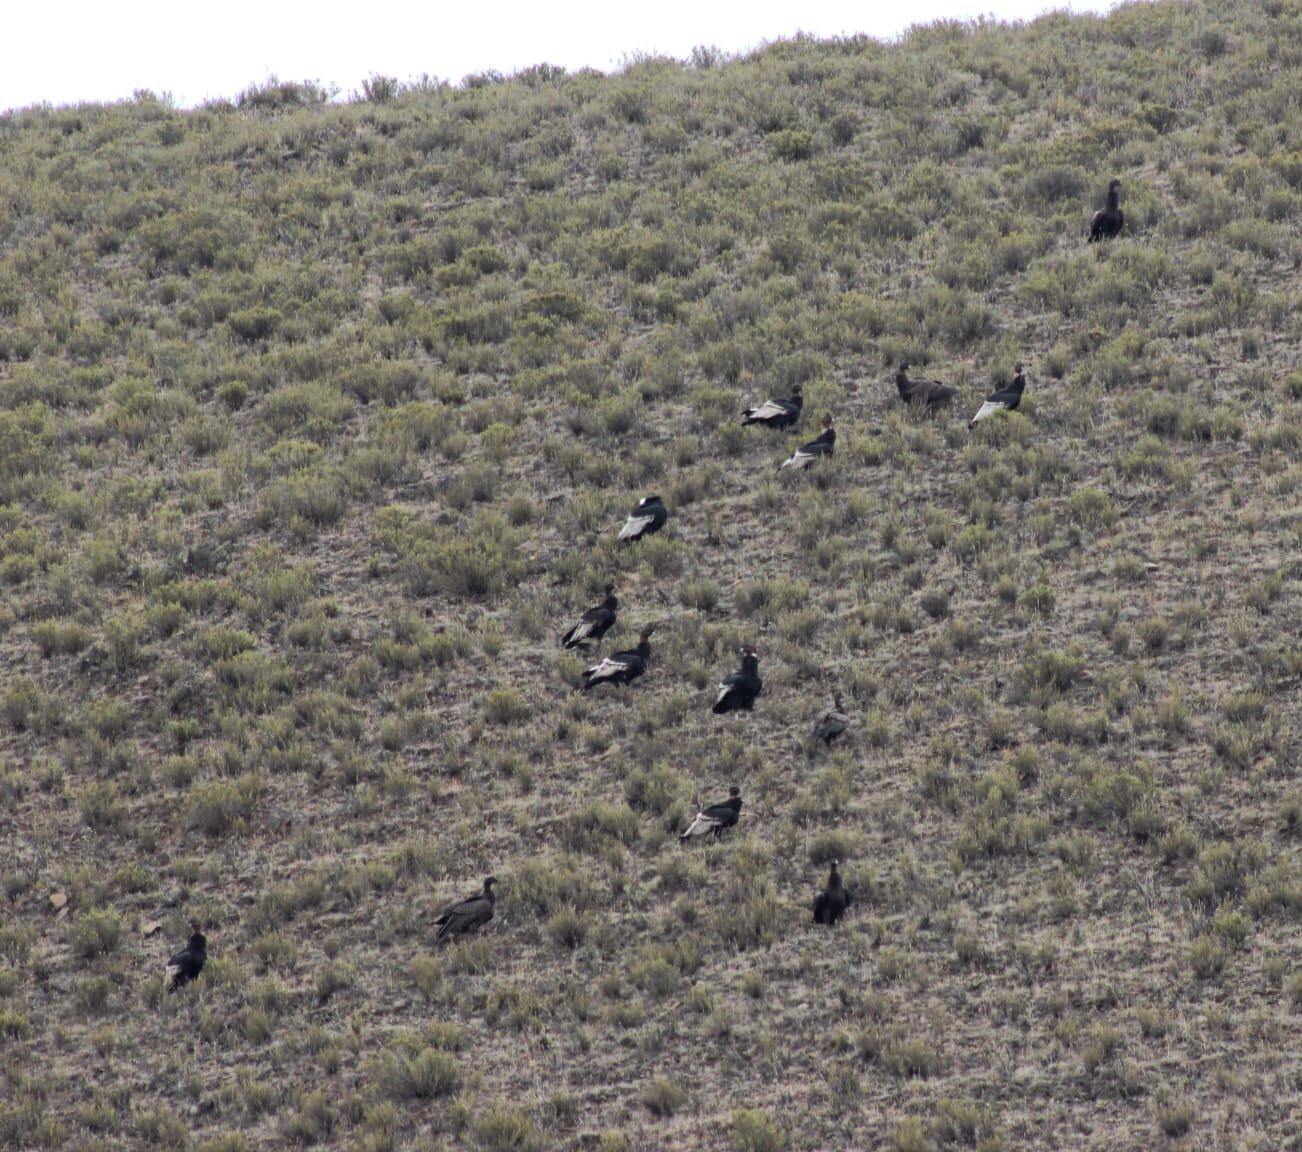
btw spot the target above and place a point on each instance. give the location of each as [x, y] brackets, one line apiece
[717, 818]
[466, 916]
[1108, 222]
[648, 517]
[188, 963]
[830, 904]
[832, 722]
[622, 667]
[739, 689]
[816, 449]
[595, 623]
[1006, 399]
[930, 392]
[777, 413]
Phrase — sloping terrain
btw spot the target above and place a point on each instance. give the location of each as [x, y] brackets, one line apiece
[317, 426]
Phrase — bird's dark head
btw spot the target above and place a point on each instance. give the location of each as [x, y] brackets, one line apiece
[646, 501]
[827, 423]
[836, 699]
[488, 884]
[196, 933]
[1114, 185]
[834, 877]
[1017, 369]
[646, 632]
[734, 792]
[610, 588]
[797, 389]
[903, 368]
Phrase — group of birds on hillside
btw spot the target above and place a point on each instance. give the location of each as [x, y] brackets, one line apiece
[738, 690]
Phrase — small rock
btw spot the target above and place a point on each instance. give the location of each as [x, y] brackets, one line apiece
[59, 901]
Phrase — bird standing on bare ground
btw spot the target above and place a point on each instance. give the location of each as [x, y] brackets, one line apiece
[466, 916]
[1004, 399]
[595, 623]
[832, 722]
[831, 903]
[717, 818]
[1107, 222]
[188, 963]
[932, 393]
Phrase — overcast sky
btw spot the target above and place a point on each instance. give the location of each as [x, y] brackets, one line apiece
[72, 51]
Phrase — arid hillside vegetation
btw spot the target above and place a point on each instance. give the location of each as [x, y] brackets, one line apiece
[318, 425]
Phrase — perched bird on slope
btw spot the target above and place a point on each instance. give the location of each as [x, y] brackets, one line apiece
[595, 623]
[465, 916]
[777, 413]
[1108, 222]
[648, 517]
[816, 449]
[739, 689]
[188, 963]
[930, 392]
[831, 903]
[717, 818]
[622, 667]
[1006, 399]
[832, 722]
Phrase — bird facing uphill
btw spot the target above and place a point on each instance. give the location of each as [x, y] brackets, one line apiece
[777, 413]
[188, 963]
[1108, 222]
[466, 916]
[647, 518]
[832, 722]
[622, 667]
[739, 689]
[717, 818]
[816, 449]
[1006, 399]
[595, 623]
[830, 904]
[929, 392]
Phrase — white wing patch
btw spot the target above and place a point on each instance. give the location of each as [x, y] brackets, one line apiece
[633, 527]
[799, 460]
[605, 670]
[767, 411]
[702, 825]
[989, 408]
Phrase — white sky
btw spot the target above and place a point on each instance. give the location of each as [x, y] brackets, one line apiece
[73, 51]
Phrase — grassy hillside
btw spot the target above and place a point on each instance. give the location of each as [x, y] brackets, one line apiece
[317, 425]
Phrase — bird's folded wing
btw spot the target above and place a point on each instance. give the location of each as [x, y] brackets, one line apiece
[768, 410]
[989, 408]
[634, 525]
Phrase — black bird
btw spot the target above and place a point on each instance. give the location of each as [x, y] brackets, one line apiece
[188, 963]
[1108, 222]
[595, 623]
[1006, 399]
[622, 667]
[717, 818]
[739, 689]
[930, 392]
[816, 449]
[832, 722]
[830, 904]
[777, 413]
[648, 517]
[466, 916]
